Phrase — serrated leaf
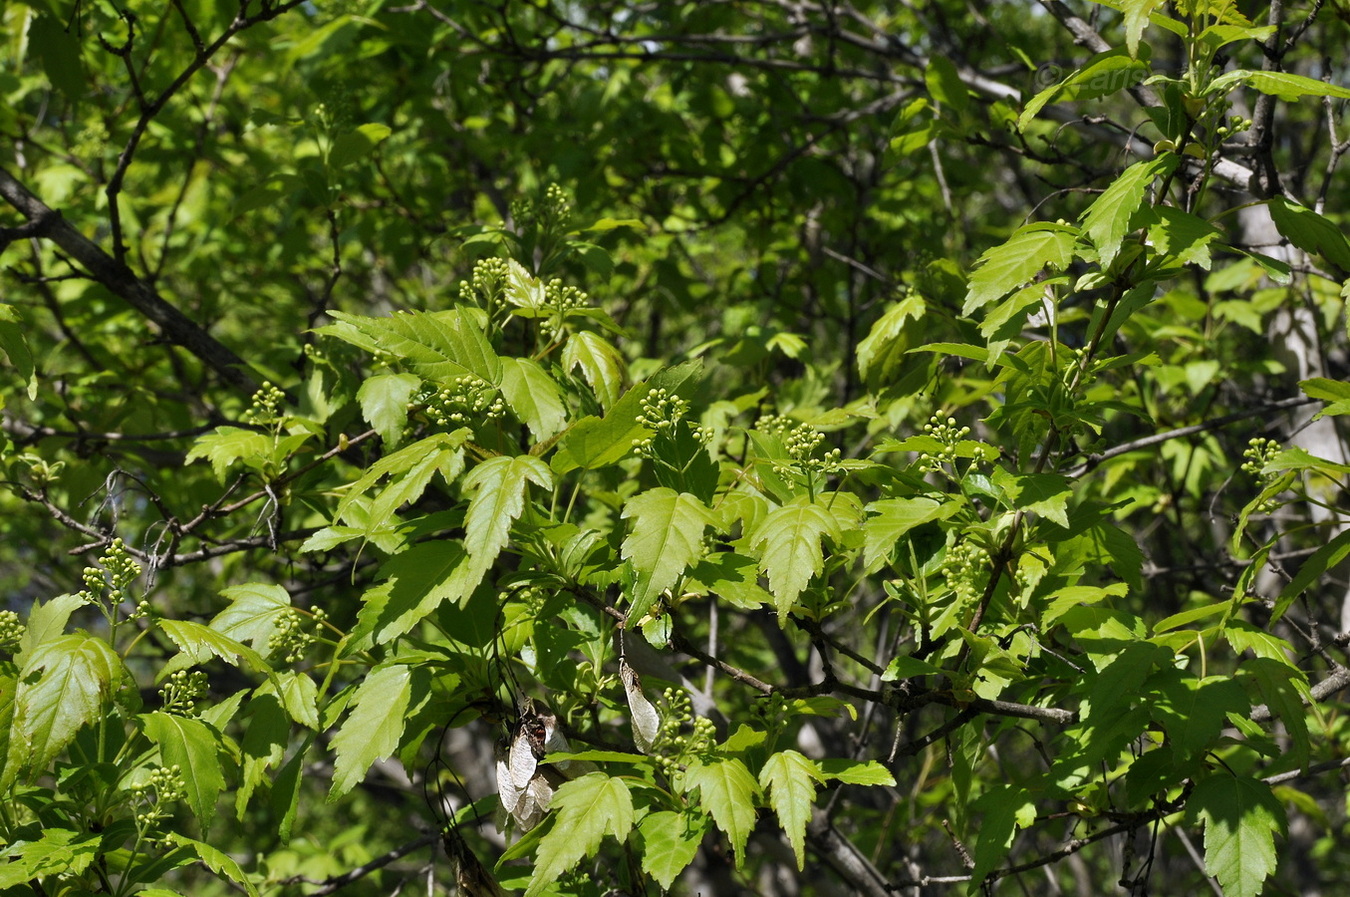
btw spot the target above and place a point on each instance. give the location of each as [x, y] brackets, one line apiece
[1324, 558]
[533, 397]
[263, 746]
[439, 345]
[498, 486]
[666, 537]
[1109, 218]
[58, 851]
[588, 809]
[855, 772]
[191, 746]
[65, 683]
[217, 861]
[1002, 269]
[1104, 74]
[1184, 236]
[384, 404]
[789, 539]
[200, 642]
[728, 792]
[1241, 816]
[891, 337]
[372, 730]
[945, 84]
[1284, 85]
[1046, 494]
[252, 616]
[1311, 232]
[46, 622]
[409, 470]
[999, 809]
[790, 779]
[1136, 17]
[224, 446]
[670, 841]
[601, 365]
[1284, 689]
[890, 518]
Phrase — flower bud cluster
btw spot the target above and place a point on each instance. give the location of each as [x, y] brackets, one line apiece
[964, 569]
[949, 435]
[486, 284]
[11, 630]
[115, 572]
[291, 640]
[662, 411]
[560, 300]
[801, 441]
[1236, 125]
[551, 213]
[182, 690]
[164, 786]
[464, 401]
[1259, 452]
[673, 746]
[263, 409]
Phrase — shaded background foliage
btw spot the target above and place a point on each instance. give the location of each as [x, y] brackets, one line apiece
[786, 171]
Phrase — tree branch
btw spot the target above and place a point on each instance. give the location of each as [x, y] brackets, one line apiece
[117, 277]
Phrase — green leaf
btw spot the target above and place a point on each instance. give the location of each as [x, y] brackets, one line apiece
[600, 363]
[372, 729]
[728, 792]
[789, 539]
[1046, 494]
[410, 470]
[65, 683]
[356, 145]
[1137, 14]
[58, 851]
[263, 746]
[384, 403]
[1241, 817]
[191, 746]
[587, 809]
[891, 337]
[533, 397]
[1104, 74]
[1014, 263]
[1110, 217]
[1183, 236]
[15, 347]
[666, 537]
[439, 345]
[1284, 85]
[252, 616]
[217, 861]
[670, 841]
[944, 83]
[892, 518]
[199, 642]
[226, 445]
[1310, 571]
[1311, 232]
[1000, 808]
[1285, 690]
[58, 48]
[498, 486]
[790, 780]
[46, 622]
[417, 581]
[855, 772]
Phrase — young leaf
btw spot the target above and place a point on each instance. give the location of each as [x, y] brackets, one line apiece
[384, 403]
[199, 642]
[790, 780]
[892, 518]
[789, 539]
[667, 536]
[195, 750]
[1108, 219]
[886, 346]
[439, 345]
[1311, 232]
[728, 792]
[498, 486]
[253, 613]
[64, 684]
[1008, 266]
[1241, 817]
[600, 363]
[670, 841]
[217, 861]
[587, 808]
[371, 732]
[855, 772]
[533, 396]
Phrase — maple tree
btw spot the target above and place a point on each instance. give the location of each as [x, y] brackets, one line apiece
[784, 448]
